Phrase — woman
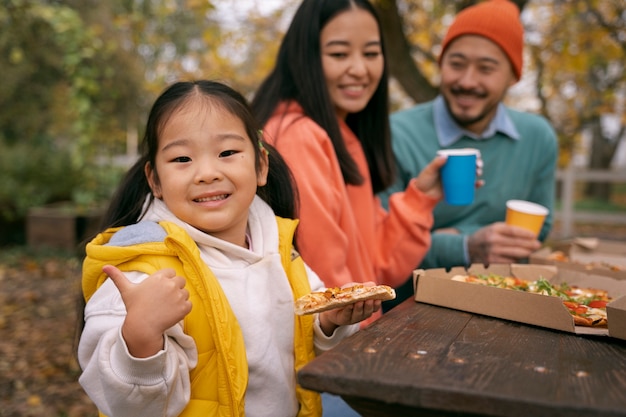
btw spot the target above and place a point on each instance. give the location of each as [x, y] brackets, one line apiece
[325, 108]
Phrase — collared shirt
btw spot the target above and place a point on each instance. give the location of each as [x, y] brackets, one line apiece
[532, 156]
[449, 132]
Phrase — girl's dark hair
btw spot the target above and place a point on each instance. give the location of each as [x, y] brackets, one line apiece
[127, 203]
[298, 76]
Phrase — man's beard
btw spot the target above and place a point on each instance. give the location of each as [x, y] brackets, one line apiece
[466, 121]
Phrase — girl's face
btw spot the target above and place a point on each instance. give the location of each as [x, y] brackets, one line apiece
[206, 170]
[352, 59]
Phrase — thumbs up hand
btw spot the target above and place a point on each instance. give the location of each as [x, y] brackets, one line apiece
[152, 306]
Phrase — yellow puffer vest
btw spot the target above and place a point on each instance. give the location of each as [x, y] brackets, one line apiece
[218, 382]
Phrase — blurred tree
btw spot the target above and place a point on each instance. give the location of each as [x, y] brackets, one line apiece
[257, 42]
[64, 93]
[80, 76]
[413, 32]
[31, 63]
[581, 78]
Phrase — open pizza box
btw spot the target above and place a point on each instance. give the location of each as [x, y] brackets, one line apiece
[596, 256]
[435, 286]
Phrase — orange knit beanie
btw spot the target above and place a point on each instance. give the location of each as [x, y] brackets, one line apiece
[497, 20]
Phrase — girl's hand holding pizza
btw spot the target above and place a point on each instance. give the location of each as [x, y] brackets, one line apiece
[353, 313]
[349, 304]
[152, 306]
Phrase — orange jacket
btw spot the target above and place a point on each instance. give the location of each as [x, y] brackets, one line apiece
[345, 235]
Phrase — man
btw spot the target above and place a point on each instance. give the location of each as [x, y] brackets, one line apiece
[481, 57]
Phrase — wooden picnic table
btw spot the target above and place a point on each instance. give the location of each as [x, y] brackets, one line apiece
[425, 360]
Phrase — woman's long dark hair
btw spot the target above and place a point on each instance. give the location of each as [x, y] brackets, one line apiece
[298, 76]
[127, 202]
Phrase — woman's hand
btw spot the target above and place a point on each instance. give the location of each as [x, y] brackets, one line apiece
[429, 179]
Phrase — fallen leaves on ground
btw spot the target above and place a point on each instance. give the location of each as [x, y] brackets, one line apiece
[38, 319]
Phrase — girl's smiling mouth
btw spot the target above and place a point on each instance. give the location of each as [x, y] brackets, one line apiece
[212, 198]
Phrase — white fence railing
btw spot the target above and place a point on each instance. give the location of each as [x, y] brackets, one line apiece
[567, 215]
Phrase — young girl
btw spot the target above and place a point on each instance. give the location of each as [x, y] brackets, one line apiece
[325, 108]
[197, 318]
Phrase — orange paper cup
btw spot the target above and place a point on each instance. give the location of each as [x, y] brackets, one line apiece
[525, 214]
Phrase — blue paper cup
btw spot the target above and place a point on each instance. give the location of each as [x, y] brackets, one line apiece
[458, 175]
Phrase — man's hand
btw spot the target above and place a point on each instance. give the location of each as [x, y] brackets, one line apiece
[501, 243]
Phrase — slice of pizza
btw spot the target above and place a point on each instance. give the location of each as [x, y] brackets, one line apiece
[560, 256]
[332, 298]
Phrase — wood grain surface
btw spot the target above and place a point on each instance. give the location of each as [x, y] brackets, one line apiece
[424, 360]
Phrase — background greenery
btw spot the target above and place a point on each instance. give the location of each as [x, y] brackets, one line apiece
[79, 77]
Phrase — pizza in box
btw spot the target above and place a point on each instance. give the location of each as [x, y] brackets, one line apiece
[586, 305]
[560, 256]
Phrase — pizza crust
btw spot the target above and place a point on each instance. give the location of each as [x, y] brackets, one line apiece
[332, 298]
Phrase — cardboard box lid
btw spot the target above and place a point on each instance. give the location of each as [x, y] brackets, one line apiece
[593, 255]
[587, 250]
[434, 286]
[616, 312]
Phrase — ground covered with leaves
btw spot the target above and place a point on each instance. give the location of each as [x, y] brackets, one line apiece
[38, 318]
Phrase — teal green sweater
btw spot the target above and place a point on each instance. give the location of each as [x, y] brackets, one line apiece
[522, 169]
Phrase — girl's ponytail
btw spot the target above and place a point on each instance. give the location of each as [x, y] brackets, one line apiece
[280, 192]
[127, 203]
